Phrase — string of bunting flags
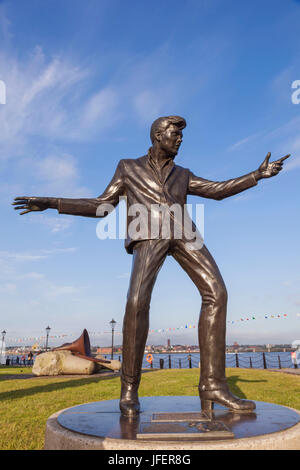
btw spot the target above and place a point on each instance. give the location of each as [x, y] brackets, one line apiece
[251, 317]
[229, 322]
[159, 330]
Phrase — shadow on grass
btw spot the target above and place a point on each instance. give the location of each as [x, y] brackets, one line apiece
[16, 377]
[79, 382]
[15, 372]
[233, 384]
[52, 387]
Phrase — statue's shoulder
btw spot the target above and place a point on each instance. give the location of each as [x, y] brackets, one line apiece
[182, 168]
[131, 162]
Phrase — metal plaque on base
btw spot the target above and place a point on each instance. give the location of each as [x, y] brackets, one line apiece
[183, 426]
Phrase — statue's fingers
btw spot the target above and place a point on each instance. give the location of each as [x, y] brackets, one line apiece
[17, 203]
[281, 160]
[21, 201]
[20, 207]
[23, 198]
[276, 169]
[266, 160]
[268, 156]
[25, 212]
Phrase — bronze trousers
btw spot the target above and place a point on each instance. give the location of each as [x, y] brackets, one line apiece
[148, 257]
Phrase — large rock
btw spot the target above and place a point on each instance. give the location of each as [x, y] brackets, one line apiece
[62, 363]
[113, 364]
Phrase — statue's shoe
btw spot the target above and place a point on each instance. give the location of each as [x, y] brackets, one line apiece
[225, 398]
[129, 401]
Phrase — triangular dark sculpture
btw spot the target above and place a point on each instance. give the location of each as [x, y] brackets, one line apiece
[81, 347]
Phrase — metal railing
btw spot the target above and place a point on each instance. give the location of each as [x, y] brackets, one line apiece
[261, 361]
[172, 361]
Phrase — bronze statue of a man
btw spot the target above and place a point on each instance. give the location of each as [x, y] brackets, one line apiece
[150, 180]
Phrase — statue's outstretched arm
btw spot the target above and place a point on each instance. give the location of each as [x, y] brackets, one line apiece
[85, 206]
[221, 189]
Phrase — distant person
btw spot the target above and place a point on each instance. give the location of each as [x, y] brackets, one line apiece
[30, 356]
[295, 355]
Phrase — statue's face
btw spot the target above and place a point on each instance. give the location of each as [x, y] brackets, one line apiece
[170, 140]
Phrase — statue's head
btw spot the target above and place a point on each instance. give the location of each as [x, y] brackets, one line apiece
[166, 133]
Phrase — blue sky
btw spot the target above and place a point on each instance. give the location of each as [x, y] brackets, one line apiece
[84, 82]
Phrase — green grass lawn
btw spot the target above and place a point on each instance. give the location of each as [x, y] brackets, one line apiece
[26, 403]
[14, 370]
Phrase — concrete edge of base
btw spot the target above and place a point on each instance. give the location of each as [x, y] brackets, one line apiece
[60, 438]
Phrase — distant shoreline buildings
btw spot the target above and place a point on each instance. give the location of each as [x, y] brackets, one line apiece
[168, 349]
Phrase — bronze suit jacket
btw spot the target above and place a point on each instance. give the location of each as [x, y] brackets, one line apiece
[138, 181]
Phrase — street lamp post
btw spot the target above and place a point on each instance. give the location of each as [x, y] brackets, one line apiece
[47, 337]
[112, 324]
[3, 333]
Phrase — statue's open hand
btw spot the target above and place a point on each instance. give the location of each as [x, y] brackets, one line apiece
[268, 169]
[29, 204]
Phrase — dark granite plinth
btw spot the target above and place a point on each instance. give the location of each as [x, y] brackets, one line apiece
[103, 419]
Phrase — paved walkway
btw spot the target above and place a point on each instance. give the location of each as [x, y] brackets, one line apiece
[66, 376]
[287, 371]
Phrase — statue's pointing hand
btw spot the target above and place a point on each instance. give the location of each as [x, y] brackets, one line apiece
[30, 204]
[268, 169]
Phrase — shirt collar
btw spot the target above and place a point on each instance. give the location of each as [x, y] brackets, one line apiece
[162, 171]
[157, 164]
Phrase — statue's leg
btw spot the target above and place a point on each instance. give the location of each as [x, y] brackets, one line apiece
[148, 258]
[203, 270]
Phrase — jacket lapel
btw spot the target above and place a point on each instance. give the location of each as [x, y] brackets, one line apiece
[166, 171]
[169, 170]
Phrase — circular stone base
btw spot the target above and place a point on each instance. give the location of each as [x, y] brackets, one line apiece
[172, 423]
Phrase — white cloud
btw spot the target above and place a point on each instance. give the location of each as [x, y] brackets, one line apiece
[100, 109]
[8, 288]
[35, 104]
[242, 142]
[55, 224]
[56, 175]
[148, 104]
[4, 26]
[124, 276]
[33, 285]
[48, 105]
[53, 290]
[31, 275]
[17, 256]
[55, 251]
[57, 168]
[42, 254]
[293, 164]
[294, 161]
[284, 138]
[47, 98]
